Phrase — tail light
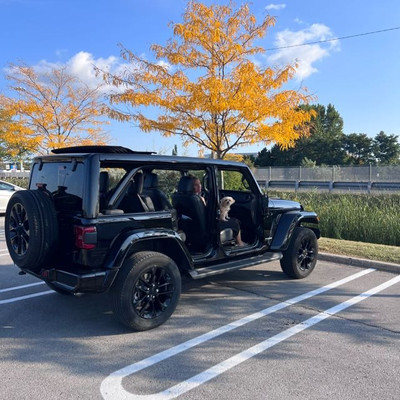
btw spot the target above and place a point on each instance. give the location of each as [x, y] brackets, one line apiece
[85, 237]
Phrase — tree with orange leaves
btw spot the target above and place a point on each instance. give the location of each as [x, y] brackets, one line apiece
[209, 90]
[49, 109]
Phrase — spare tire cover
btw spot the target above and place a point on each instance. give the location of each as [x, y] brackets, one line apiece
[31, 229]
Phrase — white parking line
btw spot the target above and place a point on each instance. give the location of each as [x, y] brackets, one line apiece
[28, 296]
[224, 366]
[111, 387]
[21, 287]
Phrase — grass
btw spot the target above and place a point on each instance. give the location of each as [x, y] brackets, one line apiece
[369, 251]
[354, 217]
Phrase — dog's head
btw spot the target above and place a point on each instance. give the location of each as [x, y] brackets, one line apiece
[226, 202]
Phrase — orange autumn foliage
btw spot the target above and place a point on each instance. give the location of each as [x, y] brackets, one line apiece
[209, 90]
[49, 110]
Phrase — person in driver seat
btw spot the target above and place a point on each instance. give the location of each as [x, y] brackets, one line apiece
[231, 223]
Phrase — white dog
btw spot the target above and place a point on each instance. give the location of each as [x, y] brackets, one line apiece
[224, 207]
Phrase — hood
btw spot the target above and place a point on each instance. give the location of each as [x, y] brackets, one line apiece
[284, 204]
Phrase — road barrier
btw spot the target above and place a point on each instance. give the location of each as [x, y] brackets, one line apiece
[351, 179]
[14, 174]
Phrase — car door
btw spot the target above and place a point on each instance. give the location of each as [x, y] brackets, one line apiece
[6, 191]
[247, 209]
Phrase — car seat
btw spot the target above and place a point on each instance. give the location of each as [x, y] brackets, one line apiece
[191, 213]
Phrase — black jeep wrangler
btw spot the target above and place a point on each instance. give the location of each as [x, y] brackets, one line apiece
[106, 218]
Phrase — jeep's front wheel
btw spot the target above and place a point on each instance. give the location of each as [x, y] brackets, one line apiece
[301, 256]
[146, 290]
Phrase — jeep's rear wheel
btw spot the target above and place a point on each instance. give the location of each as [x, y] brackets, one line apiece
[301, 256]
[31, 229]
[146, 290]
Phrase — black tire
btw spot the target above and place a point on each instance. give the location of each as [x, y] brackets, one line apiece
[301, 256]
[146, 290]
[31, 229]
[59, 290]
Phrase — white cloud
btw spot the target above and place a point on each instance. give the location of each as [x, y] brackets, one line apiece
[61, 52]
[275, 6]
[299, 21]
[82, 65]
[165, 65]
[307, 55]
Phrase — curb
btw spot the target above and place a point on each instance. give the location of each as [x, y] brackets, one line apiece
[360, 262]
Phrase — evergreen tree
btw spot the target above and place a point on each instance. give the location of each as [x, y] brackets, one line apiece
[323, 145]
[359, 149]
[386, 149]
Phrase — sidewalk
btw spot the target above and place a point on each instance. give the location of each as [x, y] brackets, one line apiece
[360, 262]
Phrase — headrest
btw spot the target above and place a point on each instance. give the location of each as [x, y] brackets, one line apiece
[150, 181]
[103, 181]
[185, 185]
[139, 178]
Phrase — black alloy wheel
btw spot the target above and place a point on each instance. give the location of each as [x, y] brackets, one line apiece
[306, 254]
[18, 228]
[299, 259]
[146, 290]
[153, 293]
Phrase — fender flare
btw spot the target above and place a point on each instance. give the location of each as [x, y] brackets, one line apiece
[123, 244]
[286, 225]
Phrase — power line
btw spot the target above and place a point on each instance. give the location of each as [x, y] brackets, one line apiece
[331, 40]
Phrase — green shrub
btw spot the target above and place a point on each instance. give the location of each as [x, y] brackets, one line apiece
[358, 217]
[22, 182]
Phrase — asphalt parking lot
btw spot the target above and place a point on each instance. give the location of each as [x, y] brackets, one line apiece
[249, 334]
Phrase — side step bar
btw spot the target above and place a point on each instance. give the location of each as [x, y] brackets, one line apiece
[233, 265]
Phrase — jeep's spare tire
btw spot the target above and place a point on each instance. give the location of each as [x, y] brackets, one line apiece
[31, 229]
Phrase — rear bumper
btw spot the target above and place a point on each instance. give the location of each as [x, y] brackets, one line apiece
[93, 282]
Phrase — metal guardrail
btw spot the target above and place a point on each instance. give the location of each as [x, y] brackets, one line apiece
[14, 174]
[331, 186]
[353, 179]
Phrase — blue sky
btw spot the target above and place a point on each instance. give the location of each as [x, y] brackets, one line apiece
[359, 76]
